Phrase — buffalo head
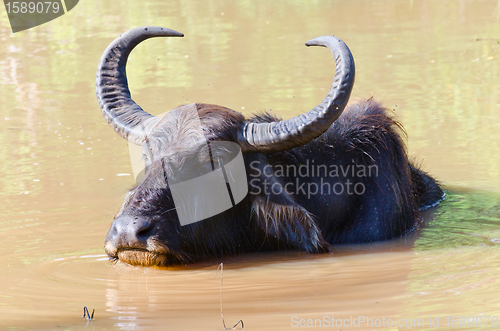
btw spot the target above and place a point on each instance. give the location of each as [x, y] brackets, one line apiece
[147, 231]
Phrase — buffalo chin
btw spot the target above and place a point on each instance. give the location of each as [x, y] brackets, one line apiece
[145, 258]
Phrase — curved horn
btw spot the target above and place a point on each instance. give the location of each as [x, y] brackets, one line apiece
[113, 95]
[297, 131]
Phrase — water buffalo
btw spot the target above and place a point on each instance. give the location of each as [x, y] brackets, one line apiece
[334, 174]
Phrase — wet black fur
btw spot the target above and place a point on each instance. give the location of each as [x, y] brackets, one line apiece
[364, 134]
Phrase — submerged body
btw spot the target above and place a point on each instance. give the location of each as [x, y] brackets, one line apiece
[328, 176]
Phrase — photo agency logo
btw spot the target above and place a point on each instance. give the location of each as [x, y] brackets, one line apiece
[205, 178]
[25, 15]
[309, 178]
[208, 178]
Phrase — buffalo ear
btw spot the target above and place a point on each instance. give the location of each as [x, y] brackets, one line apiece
[277, 214]
[289, 223]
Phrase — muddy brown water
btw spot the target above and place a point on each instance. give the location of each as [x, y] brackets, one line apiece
[64, 170]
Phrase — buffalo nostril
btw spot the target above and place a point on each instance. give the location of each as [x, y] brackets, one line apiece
[144, 230]
[129, 232]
